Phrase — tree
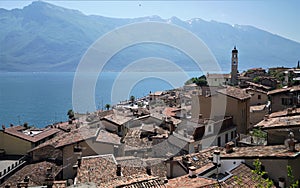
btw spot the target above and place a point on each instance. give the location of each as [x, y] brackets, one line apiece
[25, 125]
[200, 81]
[294, 183]
[260, 175]
[71, 114]
[132, 99]
[107, 106]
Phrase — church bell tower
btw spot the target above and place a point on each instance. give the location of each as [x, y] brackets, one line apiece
[234, 66]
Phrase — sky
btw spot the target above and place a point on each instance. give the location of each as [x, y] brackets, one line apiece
[279, 17]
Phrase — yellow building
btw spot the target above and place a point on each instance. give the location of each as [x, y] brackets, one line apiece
[17, 140]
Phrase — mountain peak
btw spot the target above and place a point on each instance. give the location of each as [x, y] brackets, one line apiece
[43, 6]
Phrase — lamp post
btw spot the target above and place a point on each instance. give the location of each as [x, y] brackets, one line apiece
[217, 162]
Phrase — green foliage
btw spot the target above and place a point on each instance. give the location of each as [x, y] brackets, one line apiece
[294, 183]
[71, 114]
[261, 182]
[107, 106]
[259, 133]
[239, 181]
[132, 99]
[278, 75]
[200, 81]
[256, 79]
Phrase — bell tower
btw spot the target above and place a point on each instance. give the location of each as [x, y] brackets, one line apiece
[234, 66]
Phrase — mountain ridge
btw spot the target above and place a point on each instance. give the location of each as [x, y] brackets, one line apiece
[46, 37]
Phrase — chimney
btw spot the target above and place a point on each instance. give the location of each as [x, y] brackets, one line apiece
[79, 161]
[148, 170]
[281, 182]
[185, 133]
[289, 111]
[291, 143]
[192, 172]
[48, 172]
[229, 147]
[266, 117]
[119, 171]
[196, 149]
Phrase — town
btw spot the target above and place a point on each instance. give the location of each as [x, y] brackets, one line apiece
[219, 130]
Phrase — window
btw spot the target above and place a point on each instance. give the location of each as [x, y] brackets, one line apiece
[219, 141]
[232, 135]
[209, 129]
[258, 97]
[286, 101]
[226, 137]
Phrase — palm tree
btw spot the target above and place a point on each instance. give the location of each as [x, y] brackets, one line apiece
[132, 99]
[107, 106]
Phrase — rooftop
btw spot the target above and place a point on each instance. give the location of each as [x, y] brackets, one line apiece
[199, 159]
[36, 173]
[280, 122]
[107, 137]
[242, 176]
[187, 182]
[117, 118]
[102, 170]
[74, 136]
[289, 89]
[224, 76]
[266, 152]
[30, 134]
[235, 93]
[257, 108]
[286, 112]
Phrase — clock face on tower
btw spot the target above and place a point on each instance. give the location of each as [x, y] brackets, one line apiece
[234, 63]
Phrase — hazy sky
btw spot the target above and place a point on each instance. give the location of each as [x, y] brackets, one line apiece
[276, 16]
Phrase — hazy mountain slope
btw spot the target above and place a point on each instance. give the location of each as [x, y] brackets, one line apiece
[44, 37]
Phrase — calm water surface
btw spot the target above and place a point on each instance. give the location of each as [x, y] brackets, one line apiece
[44, 98]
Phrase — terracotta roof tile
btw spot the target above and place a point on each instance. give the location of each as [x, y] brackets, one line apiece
[107, 137]
[36, 173]
[242, 176]
[187, 182]
[235, 93]
[276, 151]
[74, 136]
[289, 89]
[102, 170]
[280, 122]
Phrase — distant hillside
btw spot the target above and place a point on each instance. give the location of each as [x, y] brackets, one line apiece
[45, 37]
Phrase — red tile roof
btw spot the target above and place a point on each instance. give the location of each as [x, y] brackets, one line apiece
[74, 136]
[36, 173]
[289, 89]
[262, 152]
[187, 182]
[235, 93]
[242, 176]
[107, 137]
[102, 170]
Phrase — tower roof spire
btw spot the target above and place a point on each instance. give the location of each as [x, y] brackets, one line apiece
[234, 50]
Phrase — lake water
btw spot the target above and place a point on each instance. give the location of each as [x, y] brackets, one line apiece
[44, 98]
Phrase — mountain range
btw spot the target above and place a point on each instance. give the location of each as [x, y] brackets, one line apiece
[45, 37]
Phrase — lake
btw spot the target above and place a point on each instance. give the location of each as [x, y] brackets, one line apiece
[42, 98]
